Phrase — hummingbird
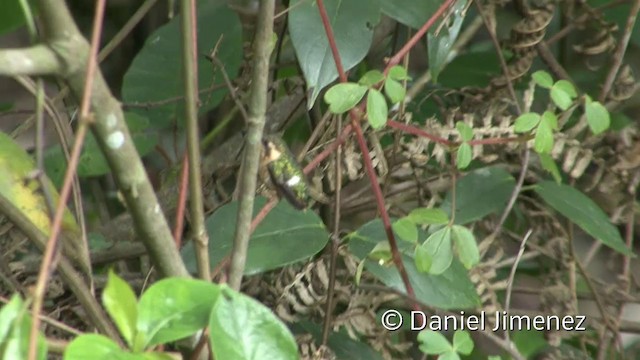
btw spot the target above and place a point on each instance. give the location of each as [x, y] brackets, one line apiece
[285, 172]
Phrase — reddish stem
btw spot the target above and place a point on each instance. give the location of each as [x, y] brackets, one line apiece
[182, 201]
[418, 132]
[375, 186]
[395, 60]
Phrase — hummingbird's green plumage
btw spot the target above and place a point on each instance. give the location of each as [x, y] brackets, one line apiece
[285, 172]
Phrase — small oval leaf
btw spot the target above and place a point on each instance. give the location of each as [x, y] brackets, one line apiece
[438, 245]
[394, 90]
[526, 122]
[344, 97]
[466, 246]
[543, 79]
[464, 155]
[433, 342]
[597, 117]
[377, 110]
[406, 230]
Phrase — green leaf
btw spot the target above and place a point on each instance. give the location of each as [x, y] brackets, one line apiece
[154, 74]
[475, 68]
[406, 230]
[466, 246]
[371, 78]
[480, 193]
[377, 110]
[550, 165]
[427, 216]
[543, 142]
[344, 96]
[381, 253]
[121, 304]
[92, 162]
[464, 156]
[450, 290]
[12, 16]
[8, 313]
[423, 259]
[413, 13]
[566, 87]
[462, 342]
[394, 90]
[543, 79]
[433, 343]
[439, 46]
[526, 122]
[352, 26]
[449, 356]
[582, 211]
[597, 117]
[173, 309]
[551, 119]
[465, 131]
[399, 73]
[438, 245]
[14, 343]
[284, 237]
[95, 346]
[529, 342]
[242, 328]
[340, 342]
[562, 94]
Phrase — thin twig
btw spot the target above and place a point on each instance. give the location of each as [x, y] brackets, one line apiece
[618, 55]
[503, 63]
[512, 275]
[514, 193]
[334, 242]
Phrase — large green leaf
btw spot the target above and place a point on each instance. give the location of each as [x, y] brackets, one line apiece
[155, 74]
[480, 193]
[241, 328]
[440, 44]
[413, 13]
[450, 290]
[582, 211]
[284, 237]
[342, 345]
[173, 309]
[352, 23]
[92, 162]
